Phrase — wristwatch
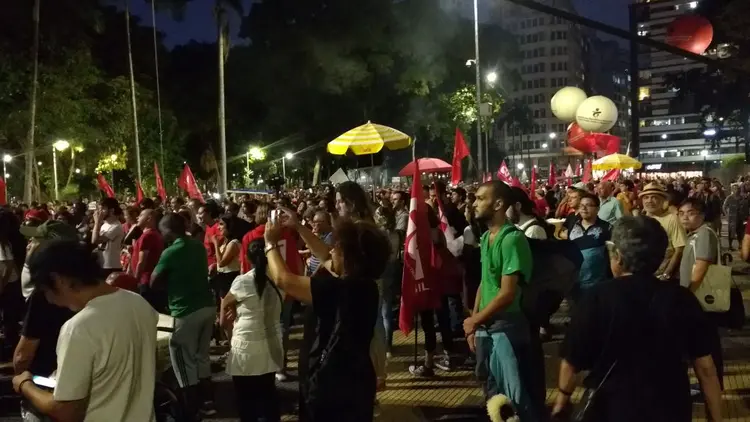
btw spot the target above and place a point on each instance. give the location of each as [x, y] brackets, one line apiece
[269, 248]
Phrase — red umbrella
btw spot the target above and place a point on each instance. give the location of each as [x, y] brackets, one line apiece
[426, 165]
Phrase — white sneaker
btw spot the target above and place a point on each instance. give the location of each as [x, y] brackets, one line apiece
[281, 376]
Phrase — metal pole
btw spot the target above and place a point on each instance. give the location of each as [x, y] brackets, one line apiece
[158, 87]
[635, 112]
[5, 178]
[283, 167]
[54, 172]
[133, 95]
[480, 160]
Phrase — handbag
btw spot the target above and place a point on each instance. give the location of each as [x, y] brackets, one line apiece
[587, 411]
[714, 292]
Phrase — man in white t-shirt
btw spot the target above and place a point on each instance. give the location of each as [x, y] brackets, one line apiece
[106, 353]
[108, 234]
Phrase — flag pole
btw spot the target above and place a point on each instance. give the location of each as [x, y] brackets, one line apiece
[416, 314]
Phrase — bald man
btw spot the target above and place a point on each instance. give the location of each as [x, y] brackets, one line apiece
[610, 208]
[146, 252]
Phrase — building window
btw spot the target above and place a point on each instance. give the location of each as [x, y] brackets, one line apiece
[542, 83]
[543, 112]
[552, 66]
[643, 93]
[553, 83]
[565, 65]
[552, 36]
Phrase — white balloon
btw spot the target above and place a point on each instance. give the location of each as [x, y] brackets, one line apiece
[565, 102]
[597, 114]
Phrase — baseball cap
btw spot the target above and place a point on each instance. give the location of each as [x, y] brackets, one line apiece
[50, 229]
[36, 214]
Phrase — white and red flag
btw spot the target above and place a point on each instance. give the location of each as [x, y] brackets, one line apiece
[418, 288]
[504, 174]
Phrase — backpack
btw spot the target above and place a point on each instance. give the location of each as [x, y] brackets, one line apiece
[549, 229]
[556, 264]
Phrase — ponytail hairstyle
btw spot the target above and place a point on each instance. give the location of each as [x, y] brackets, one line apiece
[257, 256]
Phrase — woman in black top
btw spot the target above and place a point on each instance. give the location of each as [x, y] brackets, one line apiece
[339, 384]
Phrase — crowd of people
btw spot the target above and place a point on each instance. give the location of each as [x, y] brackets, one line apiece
[89, 280]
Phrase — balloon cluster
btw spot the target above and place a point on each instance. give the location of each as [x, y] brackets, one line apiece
[590, 117]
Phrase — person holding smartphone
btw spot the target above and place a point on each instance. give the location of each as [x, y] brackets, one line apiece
[340, 380]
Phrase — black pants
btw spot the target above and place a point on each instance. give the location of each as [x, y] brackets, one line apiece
[12, 305]
[444, 324]
[257, 398]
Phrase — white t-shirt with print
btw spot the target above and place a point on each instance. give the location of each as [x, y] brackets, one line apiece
[112, 249]
[107, 352]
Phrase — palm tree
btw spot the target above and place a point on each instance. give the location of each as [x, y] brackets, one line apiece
[132, 93]
[30, 156]
[221, 10]
[158, 87]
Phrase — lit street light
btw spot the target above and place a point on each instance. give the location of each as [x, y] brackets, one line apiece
[552, 135]
[544, 145]
[704, 153]
[7, 158]
[61, 146]
[491, 78]
[78, 171]
[709, 132]
[287, 156]
[520, 166]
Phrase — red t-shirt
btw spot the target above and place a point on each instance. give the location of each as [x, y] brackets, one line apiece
[210, 251]
[288, 248]
[152, 242]
[747, 227]
[541, 206]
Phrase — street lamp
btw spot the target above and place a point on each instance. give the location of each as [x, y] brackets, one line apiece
[552, 135]
[61, 146]
[7, 158]
[492, 77]
[520, 166]
[544, 145]
[287, 156]
[709, 132]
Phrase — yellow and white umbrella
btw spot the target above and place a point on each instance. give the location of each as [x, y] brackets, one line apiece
[369, 138]
[616, 162]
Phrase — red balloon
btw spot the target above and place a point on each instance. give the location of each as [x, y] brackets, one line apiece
[690, 32]
[123, 281]
[580, 139]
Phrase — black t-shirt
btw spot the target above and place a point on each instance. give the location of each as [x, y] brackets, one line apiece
[651, 329]
[43, 322]
[341, 379]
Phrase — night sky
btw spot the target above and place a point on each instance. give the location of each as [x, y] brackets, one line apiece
[199, 21]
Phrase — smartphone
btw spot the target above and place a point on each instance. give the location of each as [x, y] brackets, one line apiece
[44, 381]
[274, 216]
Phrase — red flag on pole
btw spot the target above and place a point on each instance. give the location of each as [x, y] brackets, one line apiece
[533, 182]
[418, 289]
[612, 175]
[552, 181]
[104, 186]
[3, 197]
[460, 151]
[138, 193]
[159, 184]
[515, 182]
[187, 183]
[503, 173]
[587, 172]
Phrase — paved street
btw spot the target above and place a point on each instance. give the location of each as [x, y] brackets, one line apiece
[454, 396]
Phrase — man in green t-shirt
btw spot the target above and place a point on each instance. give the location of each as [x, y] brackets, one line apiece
[182, 271]
[497, 330]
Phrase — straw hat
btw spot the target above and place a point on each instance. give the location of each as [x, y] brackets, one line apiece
[653, 188]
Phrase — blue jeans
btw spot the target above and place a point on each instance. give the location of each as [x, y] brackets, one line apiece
[386, 313]
[505, 365]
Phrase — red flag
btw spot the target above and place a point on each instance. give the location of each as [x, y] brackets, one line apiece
[418, 289]
[552, 181]
[503, 173]
[159, 184]
[533, 182]
[3, 198]
[104, 186]
[187, 183]
[138, 193]
[515, 182]
[460, 151]
[612, 175]
[587, 172]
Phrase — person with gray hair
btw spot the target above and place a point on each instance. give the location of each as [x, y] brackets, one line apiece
[632, 334]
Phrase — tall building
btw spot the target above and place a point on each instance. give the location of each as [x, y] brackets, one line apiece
[555, 54]
[669, 129]
[609, 75]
